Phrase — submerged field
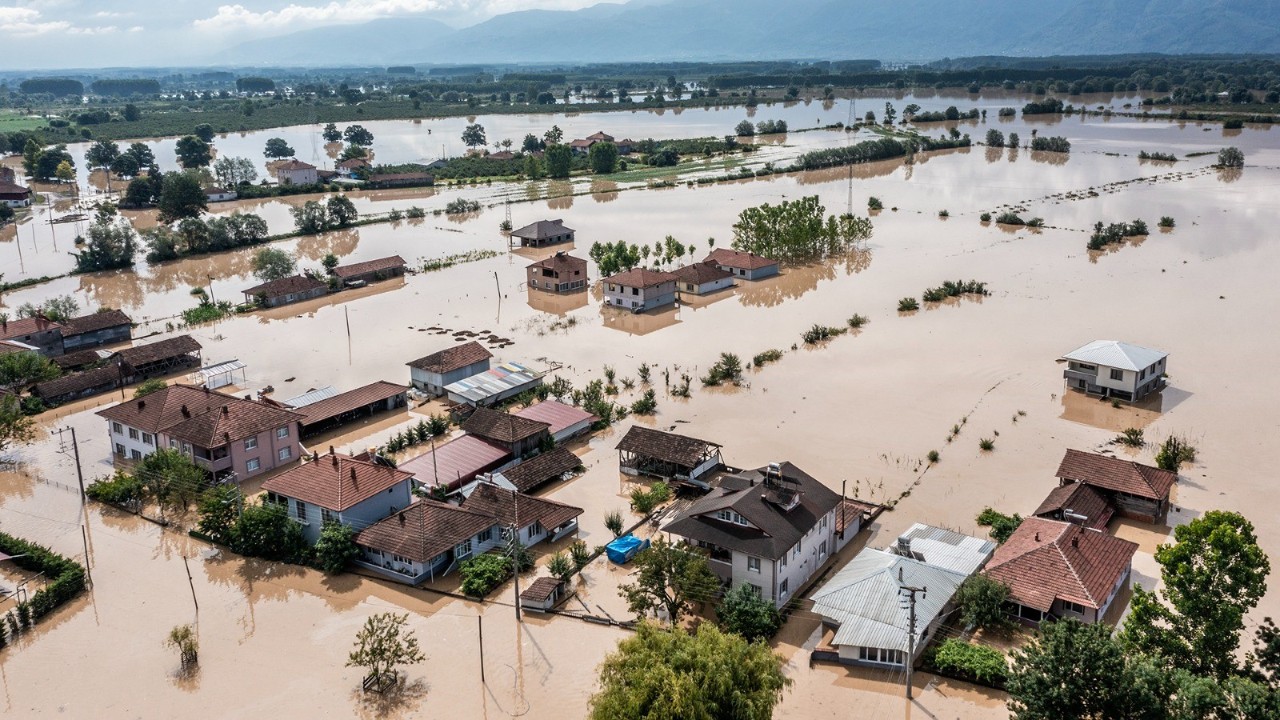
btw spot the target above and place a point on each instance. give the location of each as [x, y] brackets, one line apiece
[863, 409]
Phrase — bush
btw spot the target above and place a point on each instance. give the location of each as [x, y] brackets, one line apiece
[121, 489]
[857, 321]
[613, 522]
[727, 369]
[580, 554]
[483, 573]
[1166, 222]
[1174, 451]
[66, 576]
[1115, 233]
[987, 444]
[820, 333]
[1230, 158]
[950, 289]
[933, 456]
[944, 214]
[766, 357]
[746, 613]
[1009, 218]
[1051, 144]
[149, 386]
[459, 206]
[266, 531]
[647, 404]
[981, 601]
[977, 663]
[1233, 124]
[985, 217]
[873, 203]
[908, 304]
[645, 501]
[1002, 526]
[560, 566]
[336, 547]
[1131, 437]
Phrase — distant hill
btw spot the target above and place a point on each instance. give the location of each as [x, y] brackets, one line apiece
[894, 30]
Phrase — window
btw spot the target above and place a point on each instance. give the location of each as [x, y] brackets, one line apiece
[135, 454]
[173, 443]
[535, 529]
[117, 428]
[753, 564]
[822, 549]
[823, 524]
[285, 453]
[148, 439]
[327, 516]
[119, 449]
[300, 508]
[1117, 374]
[1073, 607]
[882, 656]
[133, 433]
[759, 591]
[252, 465]
[282, 432]
[795, 551]
[463, 549]
[635, 291]
[485, 535]
[251, 443]
[782, 588]
[782, 561]
[186, 448]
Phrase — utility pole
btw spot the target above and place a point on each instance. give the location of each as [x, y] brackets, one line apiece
[480, 622]
[515, 553]
[910, 593]
[76, 450]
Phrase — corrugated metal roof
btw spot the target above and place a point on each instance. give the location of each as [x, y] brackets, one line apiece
[947, 549]
[222, 368]
[456, 461]
[492, 382]
[556, 414]
[312, 396]
[864, 600]
[1116, 354]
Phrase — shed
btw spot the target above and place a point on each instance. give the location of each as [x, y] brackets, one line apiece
[295, 288]
[494, 385]
[342, 408]
[371, 270]
[433, 372]
[95, 329]
[218, 375]
[541, 469]
[455, 463]
[544, 594]
[666, 455]
[78, 385]
[159, 358]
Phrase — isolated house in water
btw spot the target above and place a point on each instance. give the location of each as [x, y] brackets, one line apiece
[296, 172]
[1115, 369]
[560, 273]
[745, 265]
[544, 232]
[432, 373]
[283, 291]
[667, 455]
[702, 278]
[640, 289]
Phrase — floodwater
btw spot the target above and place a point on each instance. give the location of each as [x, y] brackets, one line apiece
[862, 411]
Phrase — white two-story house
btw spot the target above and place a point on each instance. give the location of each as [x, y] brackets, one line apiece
[640, 289]
[771, 528]
[1115, 369]
[339, 488]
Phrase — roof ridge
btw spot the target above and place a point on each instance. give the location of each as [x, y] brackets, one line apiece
[1072, 567]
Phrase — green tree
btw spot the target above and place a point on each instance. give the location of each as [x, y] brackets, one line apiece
[981, 601]
[745, 612]
[603, 157]
[533, 167]
[1230, 157]
[336, 547]
[125, 166]
[15, 427]
[49, 160]
[232, 171]
[554, 136]
[171, 479]
[794, 230]
[329, 262]
[110, 245]
[272, 264]
[204, 131]
[1071, 671]
[383, 644]
[142, 154]
[341, 211]
[131, 113]
[310, 217]
[64, 172]
[670, 578]
[559, 161]
[745, 129]
[358, 135]
[661, 673]
[147, 387]
[219, 508]
[1214, 574]
[193, 152]
[473, 136]
[278, 148]
[265, 530]
[560, 566]
[331, 133]
[102, 154]
[531, 143]
[995, 138]
[180, 197]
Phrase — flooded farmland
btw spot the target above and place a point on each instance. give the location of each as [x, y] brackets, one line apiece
[862, 410]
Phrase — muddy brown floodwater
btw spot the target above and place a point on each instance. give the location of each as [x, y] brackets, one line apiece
[861, 411]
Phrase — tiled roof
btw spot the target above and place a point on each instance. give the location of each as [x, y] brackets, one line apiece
[1047, 559]
[541, 469]
[74, 360]
[349, 400]
[600, 136]
[163, 350]
[501, 427]
[353, 163]
[775, 530]
[562, 264]
[699, 273]
[285, 286]
[541, 590]
[202, 417]
[641, 278]
[1116, 354]
[295, 164]
[1116, 475]
[542, 230]
[368, 266]
[100, 320]
[556, 414]
[739, 259]
[851, 510]
[455, 461]
[103, 377]
[1080, 499]
[336, 481]
[16, 190]
[423, 530]
[454, 358]
[507, 507]
[667, 447]
[26, 326]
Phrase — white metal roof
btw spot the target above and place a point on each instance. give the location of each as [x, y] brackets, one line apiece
[222, 368]
[312, 396]
[492, 382]
[864, 600]
[1116, 354]
[946, 549]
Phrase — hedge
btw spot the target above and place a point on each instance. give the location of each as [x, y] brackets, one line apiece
[67, 576]
[480, 575]
[965, 661]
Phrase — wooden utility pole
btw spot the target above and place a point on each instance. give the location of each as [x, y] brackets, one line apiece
[75, 448]
[480, 622]
[910, 592]
[515, 553]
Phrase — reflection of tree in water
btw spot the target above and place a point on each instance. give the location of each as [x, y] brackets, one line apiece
[561, 202]
[1050, 158]
[115, 288]
[993, 154]
[258, 580]
[1229, 175]
[1133, 240]
[861, 171]
[1013, 154]
[340, 243]
[603, 191]
[16, 484]
[801, 279]
[460, 218]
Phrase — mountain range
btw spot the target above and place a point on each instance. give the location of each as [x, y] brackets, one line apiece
[702, 30]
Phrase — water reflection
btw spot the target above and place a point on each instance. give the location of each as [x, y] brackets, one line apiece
[639, 323]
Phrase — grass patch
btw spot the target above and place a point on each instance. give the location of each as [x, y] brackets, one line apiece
[766, 357]
[987, 444]
[449, 261]
[950, 289]
[908, 304]
[820, 333]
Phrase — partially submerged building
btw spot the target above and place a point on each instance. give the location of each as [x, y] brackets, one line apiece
[493, 385]
[36, 331]
[283, 291]
[745, 265]
[531, 474]
[702, 278]
[432, 373]
[370, 270]
[452, 464]
[105, 327]
[559, 273]
[339, 488]
[159, 358]
[296, 172]
[1077, 503]
[517, 435]
[544, 232]
[565, 422]
[342, 408]
[667, 456]
[640, 289]
[1136, 491]
[1114, 369]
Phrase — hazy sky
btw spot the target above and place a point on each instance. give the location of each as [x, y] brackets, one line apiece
[107, 33]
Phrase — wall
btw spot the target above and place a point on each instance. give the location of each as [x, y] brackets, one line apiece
[434, 382]
[267, 452]
[801, 568]
[130, 445]
[643, 299]
[360, 515]
[99, 337]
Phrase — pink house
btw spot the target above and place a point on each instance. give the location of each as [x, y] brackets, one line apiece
[224, 434]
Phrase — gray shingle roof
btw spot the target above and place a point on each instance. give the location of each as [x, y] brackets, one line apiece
[1116, 354]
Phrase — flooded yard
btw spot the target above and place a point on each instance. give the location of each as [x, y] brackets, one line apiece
[862, 410]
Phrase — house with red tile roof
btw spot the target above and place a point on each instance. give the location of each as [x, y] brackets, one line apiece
[433, 372]
[296, 172]
[640, 289]
[702, 278]
[37, 331]
[1136, 491]
[1057, 569]
[745, 265]
[339, 488]
[283, 291]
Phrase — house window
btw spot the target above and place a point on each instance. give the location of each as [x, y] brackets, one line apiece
[282, 432]
[1117, 374]
[285, 453]
[883, 656]
[753, 564]
[485, 535]
[300, 508]
[135, 454]
[252, 465]
[148, 439]
[133, 433]
[186, 448]
[1073, 607]
[327, 516]
[782, 588]
[119, 449]
[795, 551]
[251, 443]
[782, 561]
[759, 591]
[462, 549]
[823, 524]
[117, 428]
[173, 443]
[822, 549]
[635, 291]
[535, 529]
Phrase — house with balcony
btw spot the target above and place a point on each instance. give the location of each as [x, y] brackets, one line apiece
[339, 488]
[771, 528]
[560, 273]
[1134, 490]
[640, 289]
[226, 435]
[1114, 369]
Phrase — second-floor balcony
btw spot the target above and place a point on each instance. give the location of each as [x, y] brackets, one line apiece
[215, 460]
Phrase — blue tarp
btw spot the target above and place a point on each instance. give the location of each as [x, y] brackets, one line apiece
[621, 551]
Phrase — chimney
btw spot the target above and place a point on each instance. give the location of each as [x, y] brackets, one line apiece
[330, 449]
[334, 458]
[225, 412]
[142, 404]
[315, 456]
[1075, 541]
[1037, 536]
[186, 413]
[401, 518]
[900, 573]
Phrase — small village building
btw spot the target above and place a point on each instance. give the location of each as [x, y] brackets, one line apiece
[78, 360]
[424, 541]
[432, 373]
[771, 528]
[454, 463]
[405, 179]
[78, 385]
[105, 327]
[626, 146]
[566, 421]
[745, 265]
[518, 436]
[862, 604]
[493, 385]
[37, 331]
[1114, 369]
[296, 172]
[159, 358]
[343, 408]
[220, 194]
[543, 595]
[295, 288]
[544, 232]
[8, 347]
[14, 195]
[533, 473]
[1136, 491]
[226, 435]
[1058, 570]
[583, 145]
[353, 167]
[534, 519]
[370, 270]
[1077, 503]
[640, 289]
[559, 273]
[339, 488]
[219, 375]
[503, 155]
[667, 456]
[702, 278]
